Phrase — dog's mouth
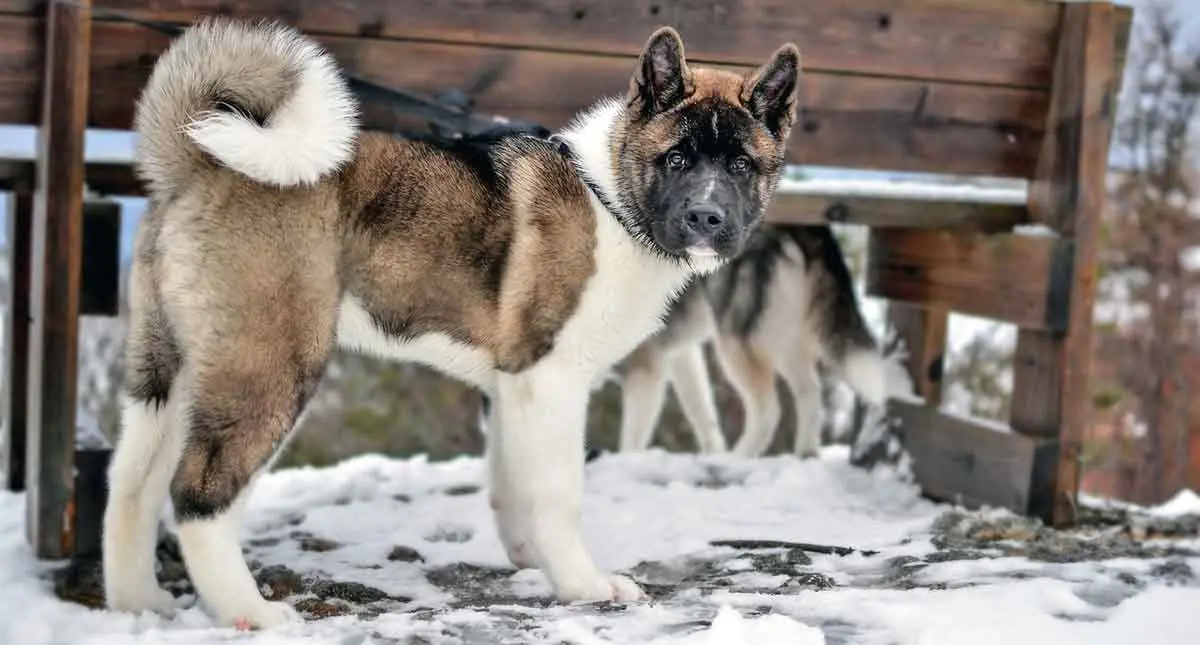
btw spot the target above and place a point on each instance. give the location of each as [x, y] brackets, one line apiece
[701, 251]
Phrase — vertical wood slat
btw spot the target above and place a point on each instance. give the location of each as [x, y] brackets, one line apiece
[54, 294]
[923, 331]
[16, 339]
[1051, 369]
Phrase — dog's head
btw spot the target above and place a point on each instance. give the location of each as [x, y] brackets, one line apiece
[702, 150]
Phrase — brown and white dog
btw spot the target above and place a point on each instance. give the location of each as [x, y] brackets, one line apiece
[526, 267]
[783, 306]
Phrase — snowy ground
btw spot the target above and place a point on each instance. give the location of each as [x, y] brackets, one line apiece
[403, 551]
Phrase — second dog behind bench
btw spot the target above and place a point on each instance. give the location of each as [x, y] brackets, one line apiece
[784, 305]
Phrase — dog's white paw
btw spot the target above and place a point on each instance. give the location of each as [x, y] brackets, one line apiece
[600, 588]
[150, 598]
[264, 615]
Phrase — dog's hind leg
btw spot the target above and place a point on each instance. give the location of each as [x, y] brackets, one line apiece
[244, 403]
[689, 376]
[752, 374]
[800, 374]
[643, 391]
[145, 454]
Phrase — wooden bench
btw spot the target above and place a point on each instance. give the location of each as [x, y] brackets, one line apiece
[1009, 88]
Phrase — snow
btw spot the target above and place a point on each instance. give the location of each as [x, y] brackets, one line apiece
[1184, 502]
[652, 507]
[960, 191]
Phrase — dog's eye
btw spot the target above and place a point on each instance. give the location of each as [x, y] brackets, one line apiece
[676, 160]
[740, 164]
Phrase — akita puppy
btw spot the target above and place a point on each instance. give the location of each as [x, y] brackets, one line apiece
[783, 306]
[525, 267]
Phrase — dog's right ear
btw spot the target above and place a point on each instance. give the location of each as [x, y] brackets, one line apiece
[662, 79]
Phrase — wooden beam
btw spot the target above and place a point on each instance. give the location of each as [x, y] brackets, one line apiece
[961, 460]
[1023, 279]
[57, 245]
[103, 178]
[1050, 389]
[100, 268]
[1002, 42]
[923, 331]
[885, 212]
[16, 338]
[846, 120]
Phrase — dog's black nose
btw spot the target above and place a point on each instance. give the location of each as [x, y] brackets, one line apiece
[704, 220]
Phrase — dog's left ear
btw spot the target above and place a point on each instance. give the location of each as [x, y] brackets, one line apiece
[770, 94]
[662, 79]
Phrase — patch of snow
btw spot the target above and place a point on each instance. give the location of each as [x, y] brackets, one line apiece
[1035, 230]
[1184, 502]
[919, 190]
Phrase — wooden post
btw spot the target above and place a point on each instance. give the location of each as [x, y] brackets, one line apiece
[54, 296]
[16, 338]
[1050, 373]
[923, 330]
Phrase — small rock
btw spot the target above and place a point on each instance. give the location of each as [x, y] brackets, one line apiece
[404, 554]
[402, 498]
[318, 544]
[354, 592]
[317, 608]
[458, 491]
[1175, 570]
[453, 534]
[810, 580]
[280, 581]
[264, 541]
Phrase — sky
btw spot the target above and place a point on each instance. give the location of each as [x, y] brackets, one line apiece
[19, 141]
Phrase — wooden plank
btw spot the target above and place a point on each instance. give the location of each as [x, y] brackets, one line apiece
[886, 212]
[923, 331]
[1003, 42]
[100, 268]
[16, 338]
[1051, 378]
[54, 299]
[960, 460]
[104, 178]
[1023, 279]
[847, 120]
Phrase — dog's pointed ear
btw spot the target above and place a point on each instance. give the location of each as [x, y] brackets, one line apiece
[770, 94]
[662, 79]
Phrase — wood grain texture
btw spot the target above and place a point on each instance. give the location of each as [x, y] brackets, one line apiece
[962, 461]
[1003, 42]
[54, 299]
[16, 338]
[846, 120]
[1069, 194]
[1016, 278]
[923, 331]
[885, 212]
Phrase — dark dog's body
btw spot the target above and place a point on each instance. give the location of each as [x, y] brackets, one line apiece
[523, 266]
[784, 305]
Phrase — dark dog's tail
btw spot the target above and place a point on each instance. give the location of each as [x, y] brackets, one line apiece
[849, 346]
[261, 99]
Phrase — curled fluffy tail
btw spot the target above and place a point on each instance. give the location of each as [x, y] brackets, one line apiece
[261, 99]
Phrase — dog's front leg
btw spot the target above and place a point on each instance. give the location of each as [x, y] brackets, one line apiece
[539, 481]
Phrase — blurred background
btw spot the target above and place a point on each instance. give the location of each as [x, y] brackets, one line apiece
[1143, 445]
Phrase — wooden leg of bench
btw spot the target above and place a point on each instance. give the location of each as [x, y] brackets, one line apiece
[54, 298]
[923, 331]
[1050, 396]
[16, 339]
